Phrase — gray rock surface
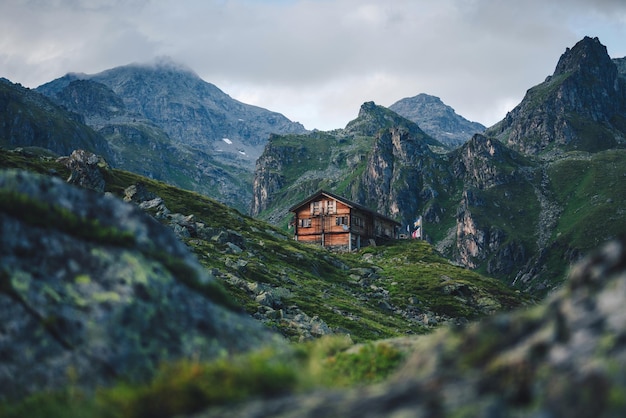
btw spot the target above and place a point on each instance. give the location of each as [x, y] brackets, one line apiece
[581, 106]
[92, 289]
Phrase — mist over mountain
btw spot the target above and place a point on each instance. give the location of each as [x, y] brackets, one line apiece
[164, 122]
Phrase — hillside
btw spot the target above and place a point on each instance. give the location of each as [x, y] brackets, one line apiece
[510, 203]
[28, 119]
[281, 281]
[564, 357]
[85, 269]
[163, 121]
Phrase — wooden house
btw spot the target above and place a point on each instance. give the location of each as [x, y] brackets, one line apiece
[330, 220]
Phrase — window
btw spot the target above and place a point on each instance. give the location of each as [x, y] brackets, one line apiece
[304, 223]
[341, 220]
[356, 221]
[331, 206]
[315, 207]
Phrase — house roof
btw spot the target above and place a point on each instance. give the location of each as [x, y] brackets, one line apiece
[343, 200]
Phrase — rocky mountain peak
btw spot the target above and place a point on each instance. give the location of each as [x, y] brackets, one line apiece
[373, 118]
[588, 56]
[582, 106]
[437, 119]
[165, 122]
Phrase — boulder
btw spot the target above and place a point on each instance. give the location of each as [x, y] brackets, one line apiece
[93, 290]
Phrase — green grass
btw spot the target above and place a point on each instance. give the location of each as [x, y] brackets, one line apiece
[35, 160]
[413, 269]
[592, 191]
[593, 194]
[186, 386]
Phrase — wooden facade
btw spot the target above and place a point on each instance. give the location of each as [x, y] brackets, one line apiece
[336, 223]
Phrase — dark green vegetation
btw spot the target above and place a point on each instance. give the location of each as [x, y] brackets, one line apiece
[592, 191]
[186, 386]
[30, 119]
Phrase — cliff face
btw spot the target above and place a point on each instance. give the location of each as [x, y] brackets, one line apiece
[580, 107]
[393, 171]
[378, 160]
[487, 167]
[268, 177]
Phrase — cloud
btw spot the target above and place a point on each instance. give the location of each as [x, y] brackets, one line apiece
[316, 61]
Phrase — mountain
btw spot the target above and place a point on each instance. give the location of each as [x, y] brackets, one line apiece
[581, 106]
[28, 119]
[165, 122]
[437, 119]
[520, 202]
[364, 162]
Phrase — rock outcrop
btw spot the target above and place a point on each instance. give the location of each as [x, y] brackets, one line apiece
[86, 170]
[93, 290]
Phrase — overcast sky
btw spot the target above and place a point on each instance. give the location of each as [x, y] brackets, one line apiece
[316, 61]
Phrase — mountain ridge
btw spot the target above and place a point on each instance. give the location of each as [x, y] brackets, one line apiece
[30, 119]
[437, 119]
[496, 202]
[581, 106]
[195, 135]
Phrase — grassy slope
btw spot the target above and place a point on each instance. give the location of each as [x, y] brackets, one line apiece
[312, 278]
[318, 281]
[592, 191]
